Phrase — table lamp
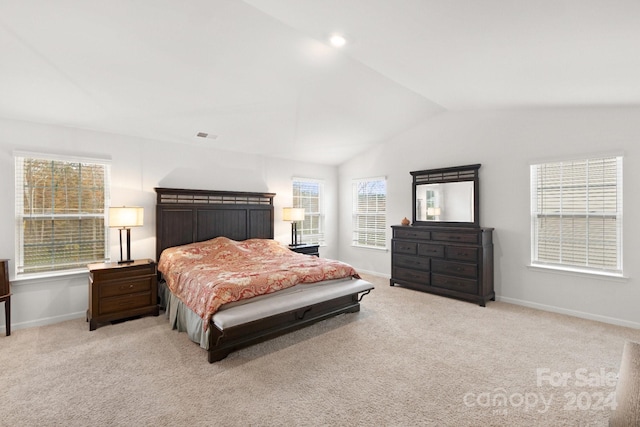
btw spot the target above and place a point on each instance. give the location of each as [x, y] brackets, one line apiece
[124, 218]
[294, 215]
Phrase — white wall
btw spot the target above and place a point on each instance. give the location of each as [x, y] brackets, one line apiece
[505, 143]
[139, 165]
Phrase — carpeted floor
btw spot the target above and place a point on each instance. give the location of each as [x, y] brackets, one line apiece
[406, 359]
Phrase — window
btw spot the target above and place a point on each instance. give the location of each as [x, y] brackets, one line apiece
[369, 213]
[60, 212]
[309, 194]
[576, 215]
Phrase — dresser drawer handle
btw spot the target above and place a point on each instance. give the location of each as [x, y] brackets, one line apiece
[123, 287]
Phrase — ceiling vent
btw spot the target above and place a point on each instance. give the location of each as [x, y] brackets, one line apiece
[206, 135]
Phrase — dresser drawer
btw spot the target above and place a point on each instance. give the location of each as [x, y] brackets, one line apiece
[462, 253]
[455, 284]
[411, 233]
[426, 249]
[455, 268]
[125, 287]
[461, 237]
[416, 276]
[412, 262]
[402, 247]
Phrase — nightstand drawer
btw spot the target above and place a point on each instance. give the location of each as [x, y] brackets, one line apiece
[125, 287]
[122, 303]
[124, 272]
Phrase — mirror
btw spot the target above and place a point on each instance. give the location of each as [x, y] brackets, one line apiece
[449, 201]
[447, 196]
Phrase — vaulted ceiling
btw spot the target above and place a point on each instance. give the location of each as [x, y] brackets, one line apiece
[260, 77]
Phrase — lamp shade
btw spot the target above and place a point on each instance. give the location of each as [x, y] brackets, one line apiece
[125, 217]
[292, 214]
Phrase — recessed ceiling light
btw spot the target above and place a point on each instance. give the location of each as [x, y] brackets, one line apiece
[337, 40]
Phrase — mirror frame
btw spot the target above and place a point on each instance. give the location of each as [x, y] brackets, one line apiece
[444, 175]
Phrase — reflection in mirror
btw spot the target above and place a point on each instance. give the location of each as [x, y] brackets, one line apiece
[449, 202]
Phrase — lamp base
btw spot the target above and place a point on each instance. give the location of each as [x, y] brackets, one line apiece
[128, 260]
[294, 234]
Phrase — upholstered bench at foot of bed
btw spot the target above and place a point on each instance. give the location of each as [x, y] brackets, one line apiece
[247, 324]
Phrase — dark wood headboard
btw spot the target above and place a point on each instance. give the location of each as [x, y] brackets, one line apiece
[188, 216]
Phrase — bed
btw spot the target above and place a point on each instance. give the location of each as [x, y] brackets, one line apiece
[185, 218]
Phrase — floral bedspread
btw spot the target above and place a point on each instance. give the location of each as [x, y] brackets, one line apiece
[206, 275]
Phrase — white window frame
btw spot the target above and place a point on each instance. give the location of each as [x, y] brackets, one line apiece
[309, 232]
[576, 192]
[375, 236]
[20, 215]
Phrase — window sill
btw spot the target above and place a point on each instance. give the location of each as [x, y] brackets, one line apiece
[579, 272]
[25, 279]
[370, 247]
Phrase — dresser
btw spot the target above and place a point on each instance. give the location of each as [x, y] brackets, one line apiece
[450, 261]
[119, 291]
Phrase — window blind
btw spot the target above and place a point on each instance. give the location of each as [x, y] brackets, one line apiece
[309, 194]
[370, 213]
[576, 214]
[60, 212]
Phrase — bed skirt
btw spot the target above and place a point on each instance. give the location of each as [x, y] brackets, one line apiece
[231, 315]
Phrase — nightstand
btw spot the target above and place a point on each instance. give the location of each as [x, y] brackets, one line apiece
[5, 293]
[119, 291]
[307, 249]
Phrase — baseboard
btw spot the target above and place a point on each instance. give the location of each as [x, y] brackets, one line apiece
[574, 313]
[46, 321]
[544, 307]
[373, 273]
